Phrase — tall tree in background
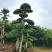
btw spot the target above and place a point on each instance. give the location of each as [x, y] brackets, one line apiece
[4, 12]
[24, 9]
[30, 22]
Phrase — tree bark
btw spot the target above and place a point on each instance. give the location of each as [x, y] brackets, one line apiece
[26, 45]
[21, 37]
[3, 28]
[26, 41]
[1, 35]
[17, 44]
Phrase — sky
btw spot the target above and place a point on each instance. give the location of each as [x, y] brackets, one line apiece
[41, 15]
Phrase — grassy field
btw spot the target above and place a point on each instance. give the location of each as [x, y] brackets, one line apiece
[39, 49]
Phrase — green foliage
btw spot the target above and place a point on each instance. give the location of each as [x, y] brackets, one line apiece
[28, 11]
[4, 18]
[19, 25]
[37, 36]
[19, 19]
[17, 11]
[5, 11]
[14, 33]
[1, 36]
[30, 39]
[29, 44]
[26, 7]
[29, 21]
[0, 21]
[7, 26]
[29, 31]
[48, 37]
[15, 21]
[23, 15]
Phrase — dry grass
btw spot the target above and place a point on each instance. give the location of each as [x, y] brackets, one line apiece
[36, 49]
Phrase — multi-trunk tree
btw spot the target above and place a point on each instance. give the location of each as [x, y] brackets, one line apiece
[24, 9]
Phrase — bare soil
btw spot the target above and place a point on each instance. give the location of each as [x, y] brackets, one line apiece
[8, 47]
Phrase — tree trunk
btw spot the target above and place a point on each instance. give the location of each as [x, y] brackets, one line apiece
[21, 37]
[26, 41]
[3, 28]
[26, 45]
[17, 44]
[1, 35]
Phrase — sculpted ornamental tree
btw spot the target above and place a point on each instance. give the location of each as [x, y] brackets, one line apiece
[24, 9]
[4, 12]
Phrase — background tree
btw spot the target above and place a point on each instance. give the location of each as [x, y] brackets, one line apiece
[30, 22]
[4, 12]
